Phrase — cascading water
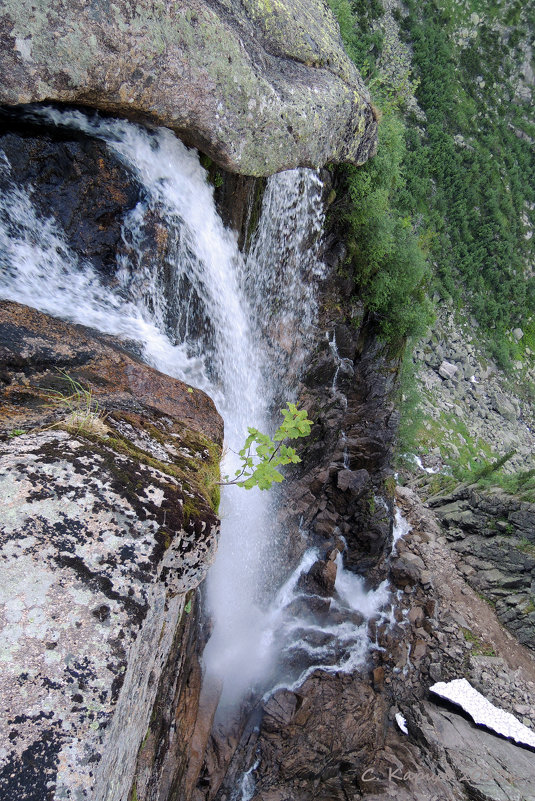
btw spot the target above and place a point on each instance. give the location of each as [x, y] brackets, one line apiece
[256, 317]
[278, 282]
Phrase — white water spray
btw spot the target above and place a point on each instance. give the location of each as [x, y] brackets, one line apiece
[259, 314]
[206, 275]
[279, 279]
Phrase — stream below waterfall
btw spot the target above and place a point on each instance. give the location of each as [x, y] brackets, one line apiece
[229, 324]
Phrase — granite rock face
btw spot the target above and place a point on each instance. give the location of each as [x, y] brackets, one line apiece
[108, 528]
[258, 86]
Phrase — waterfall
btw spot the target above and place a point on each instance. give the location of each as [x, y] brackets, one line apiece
[278, 281]
[235, 327]
[210, 279]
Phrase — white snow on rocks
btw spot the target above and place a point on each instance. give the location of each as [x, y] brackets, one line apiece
[461, 692]
[402, 723]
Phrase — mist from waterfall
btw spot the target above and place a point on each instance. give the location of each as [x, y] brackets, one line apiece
[39, 269]
[232, 326]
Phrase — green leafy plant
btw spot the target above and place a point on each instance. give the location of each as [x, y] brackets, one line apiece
[16, 432]
[82, 412]
[261, 455]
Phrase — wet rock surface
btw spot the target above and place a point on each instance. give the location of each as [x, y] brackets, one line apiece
[73, 179]
[258, 88]
[108, 528]
[345, 489]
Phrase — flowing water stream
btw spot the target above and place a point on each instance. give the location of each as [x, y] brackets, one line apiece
[232, 326]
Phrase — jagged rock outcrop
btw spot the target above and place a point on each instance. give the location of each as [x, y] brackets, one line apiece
[345, 488]
[108, 528]
[260, 87]
[494, 535]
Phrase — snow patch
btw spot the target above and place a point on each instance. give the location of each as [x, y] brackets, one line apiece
[402, 723]
[461, 692]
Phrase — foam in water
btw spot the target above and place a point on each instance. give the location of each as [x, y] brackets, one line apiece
[247, 785]
[401, 528]
[208, 273]
[261, 312]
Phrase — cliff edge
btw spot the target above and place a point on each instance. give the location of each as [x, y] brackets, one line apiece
[260, 86]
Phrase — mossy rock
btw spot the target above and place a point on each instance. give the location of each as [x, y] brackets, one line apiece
[106, 531]
[260, 86]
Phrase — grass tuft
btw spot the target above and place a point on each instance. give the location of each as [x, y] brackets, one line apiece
[81, 410]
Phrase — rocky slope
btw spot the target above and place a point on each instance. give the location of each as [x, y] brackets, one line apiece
[471, 409]
[493, 534]
[259, 87]
[336, 736]
[451, 631]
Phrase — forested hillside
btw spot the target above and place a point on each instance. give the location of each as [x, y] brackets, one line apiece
[455, 168]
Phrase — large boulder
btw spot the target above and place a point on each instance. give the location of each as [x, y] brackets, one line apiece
[108, 526]
[259, 86]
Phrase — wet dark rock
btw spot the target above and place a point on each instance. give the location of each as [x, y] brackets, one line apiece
[346, 343]
[320, 579]
[346, 616]
[324, 522]
[404, 572]
[307, 607]
[354, 500]
[76, 181]
[332, 739]
[355, 481]
[323, 371]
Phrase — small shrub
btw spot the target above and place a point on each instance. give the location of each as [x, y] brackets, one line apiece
[259, 467]
[479, 648]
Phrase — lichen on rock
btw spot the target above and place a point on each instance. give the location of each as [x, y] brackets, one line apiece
[103, 536]
[260, 86]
